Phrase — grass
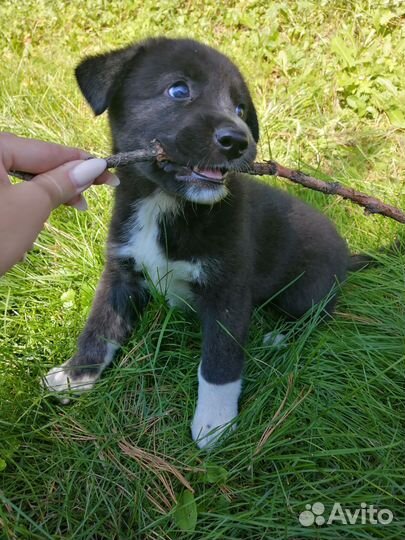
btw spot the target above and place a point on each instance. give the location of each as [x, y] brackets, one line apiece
[321, 419]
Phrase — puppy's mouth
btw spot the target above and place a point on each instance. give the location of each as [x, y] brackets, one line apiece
[211, 175]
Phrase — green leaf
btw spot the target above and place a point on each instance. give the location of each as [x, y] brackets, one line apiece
[185, 513]
[358, 104]
[388, 84]
[345, 53]
[248, 20]
[68, 298]
[352, 102]
[282, 60]
[214, 474]
[396, 118]
[3, 464]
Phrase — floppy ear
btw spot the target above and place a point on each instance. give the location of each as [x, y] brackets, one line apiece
[99, 76]
[251, 121]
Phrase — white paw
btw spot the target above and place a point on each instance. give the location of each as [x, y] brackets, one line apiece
[58, 380]
[217, 406]
[272, 339]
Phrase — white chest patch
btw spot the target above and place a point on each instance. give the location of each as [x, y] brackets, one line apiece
[171, 278]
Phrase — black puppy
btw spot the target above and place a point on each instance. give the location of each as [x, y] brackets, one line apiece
[194, 227]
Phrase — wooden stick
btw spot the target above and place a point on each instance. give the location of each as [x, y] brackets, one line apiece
[370, 204]
[153, 151]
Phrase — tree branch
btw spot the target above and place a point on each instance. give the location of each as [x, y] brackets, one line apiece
[370, 204]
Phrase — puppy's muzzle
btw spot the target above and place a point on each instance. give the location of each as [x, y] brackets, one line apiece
[214, 175]
[231, 142]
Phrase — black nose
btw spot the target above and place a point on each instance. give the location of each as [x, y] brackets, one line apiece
[232, 142]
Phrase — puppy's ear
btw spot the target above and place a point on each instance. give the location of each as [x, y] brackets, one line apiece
[99, 76]
[252, 122]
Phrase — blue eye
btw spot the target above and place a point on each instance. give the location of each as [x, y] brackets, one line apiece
[240, 110]
[179, 90]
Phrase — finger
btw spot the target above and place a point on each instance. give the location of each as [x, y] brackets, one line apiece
[107, 178]
[69, 180]
[30, 155]
[78, 202]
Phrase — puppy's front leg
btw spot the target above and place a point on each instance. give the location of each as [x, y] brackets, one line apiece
[120, 298]
[225, 327]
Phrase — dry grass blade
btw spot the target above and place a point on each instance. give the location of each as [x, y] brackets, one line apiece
[73, 431]
[158, 499]
[272, 426]
[154, 463]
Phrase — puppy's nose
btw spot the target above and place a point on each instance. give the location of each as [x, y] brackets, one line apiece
[232, 142]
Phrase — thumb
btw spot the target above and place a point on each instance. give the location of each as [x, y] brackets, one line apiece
[65, 182]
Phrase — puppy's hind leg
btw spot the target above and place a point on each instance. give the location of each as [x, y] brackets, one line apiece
[120, 298]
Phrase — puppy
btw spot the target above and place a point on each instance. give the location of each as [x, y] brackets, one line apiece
[193, 227]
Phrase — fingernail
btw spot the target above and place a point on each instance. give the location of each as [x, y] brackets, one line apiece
[83, 175]
[81, 204]
[112, 181]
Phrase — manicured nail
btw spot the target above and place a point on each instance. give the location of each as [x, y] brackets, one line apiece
[81, 204]
[112, 181]
[84, 173]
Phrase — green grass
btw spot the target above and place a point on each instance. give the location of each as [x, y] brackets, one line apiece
[328, 80]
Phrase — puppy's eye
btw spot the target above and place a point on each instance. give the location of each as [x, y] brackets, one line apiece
[179, 90]
[240, 110]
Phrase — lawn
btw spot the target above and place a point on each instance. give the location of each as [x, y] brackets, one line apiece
[322, 419]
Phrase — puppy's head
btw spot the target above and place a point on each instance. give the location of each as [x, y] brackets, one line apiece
[186, 95]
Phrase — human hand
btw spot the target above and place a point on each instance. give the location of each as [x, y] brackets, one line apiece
[59, 173]
[63, 174]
